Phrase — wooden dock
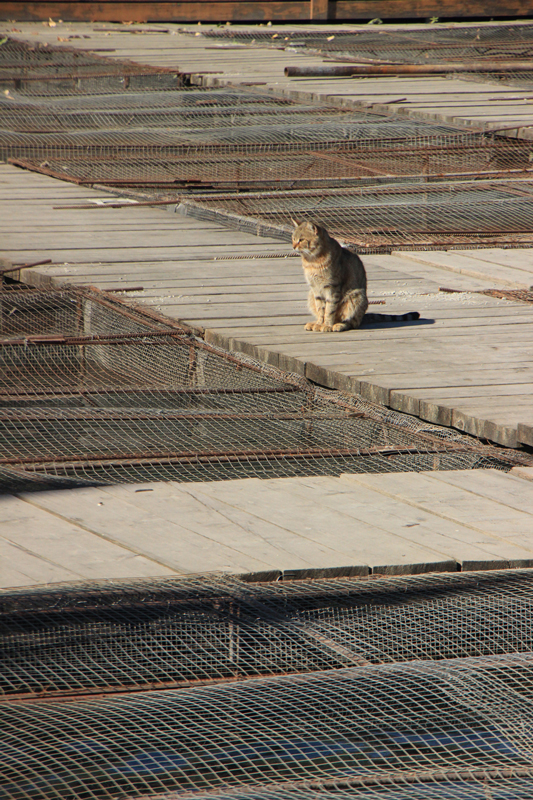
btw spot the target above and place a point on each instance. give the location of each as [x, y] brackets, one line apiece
[466, 364]
[399, 523]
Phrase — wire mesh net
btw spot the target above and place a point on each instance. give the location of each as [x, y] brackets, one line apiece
[40, 69]
[91, 390]
[408, 687]
[462, 213]
[173, 140]
[94, 638]
[492, 48]
[429, 44]
[198, 137]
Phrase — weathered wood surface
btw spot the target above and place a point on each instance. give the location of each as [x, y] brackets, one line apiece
[467, 363]
[257, 10]
[450, 100]
[394, 523]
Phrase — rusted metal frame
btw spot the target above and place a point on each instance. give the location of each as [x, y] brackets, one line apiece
[68, 391]
[407, 69]
[19, 162]
[120, 75]
[198, 342]
[214, 416]
[137, 313]
[115, 338]
[126, 289]
[362, 191]
[14, 268]
[521, 295]
[73, 695]
[214, 151]
[215, 456]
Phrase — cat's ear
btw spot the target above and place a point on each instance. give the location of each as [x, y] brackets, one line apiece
[295, 222]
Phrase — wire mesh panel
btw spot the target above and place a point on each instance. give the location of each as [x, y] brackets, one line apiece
[92, 390]
[156, 134]
[491, 50]
[447, 723]
[45, 70]
[470, 214]
[194, 137]
[106, 637]
[428, 45]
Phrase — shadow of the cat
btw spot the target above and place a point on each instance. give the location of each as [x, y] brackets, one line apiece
[411, 323]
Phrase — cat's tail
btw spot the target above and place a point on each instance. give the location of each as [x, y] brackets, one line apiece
[370, 318]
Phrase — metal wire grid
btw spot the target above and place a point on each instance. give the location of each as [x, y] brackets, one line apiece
[196, 137]
[42, 69]
[199, 141]
[96, 392]
[449, 722]
[433, 44]
[484, 45]
[480, 213]
[110, 637]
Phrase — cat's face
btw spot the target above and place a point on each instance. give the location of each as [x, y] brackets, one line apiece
[306, 237]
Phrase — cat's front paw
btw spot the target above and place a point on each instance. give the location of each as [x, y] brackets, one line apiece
[325, 328]
[309, 326]
[340, 326]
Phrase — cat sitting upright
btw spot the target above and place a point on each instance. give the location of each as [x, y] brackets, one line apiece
[337, 281]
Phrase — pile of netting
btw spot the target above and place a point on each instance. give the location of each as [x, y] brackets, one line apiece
[217, 687]
[94, 391]
[377, 181]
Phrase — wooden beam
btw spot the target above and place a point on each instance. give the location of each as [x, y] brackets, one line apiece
[112, 11]
[319, 9]
[258, 10]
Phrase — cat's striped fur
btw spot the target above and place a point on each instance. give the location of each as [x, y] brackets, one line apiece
[337, 280]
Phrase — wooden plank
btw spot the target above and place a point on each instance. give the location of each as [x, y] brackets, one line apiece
[319, 10]
[259, 11]
[357, 540]
[68, 546]
[142, 11]
[499, 487]
[455, 543]
[458, 506]
[21, 568]
[246, 532]
[166, 542]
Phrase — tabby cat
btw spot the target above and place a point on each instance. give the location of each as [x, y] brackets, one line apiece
[337, 280]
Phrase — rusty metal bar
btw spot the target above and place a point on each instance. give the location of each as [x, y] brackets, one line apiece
[127, 289]
[69, 391]
[408, 69]
[214, 456]
[185, 416]
[115, 338]
[133, 311]
[14, 268]
[19, 162]
[103, 692]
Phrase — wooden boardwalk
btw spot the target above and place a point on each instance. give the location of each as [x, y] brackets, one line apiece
[467, 363]
[397, 523]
